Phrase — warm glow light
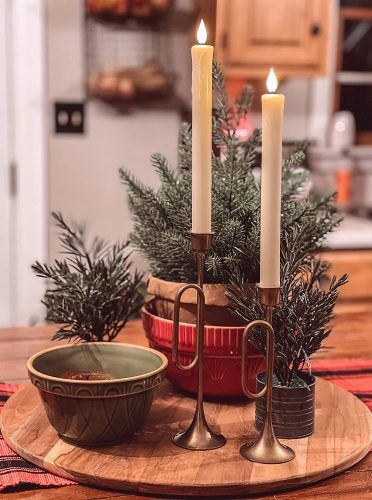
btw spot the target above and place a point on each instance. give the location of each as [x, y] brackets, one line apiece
[271, 82]
[202, 33]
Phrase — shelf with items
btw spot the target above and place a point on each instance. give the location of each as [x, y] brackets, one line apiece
[174, 19]
[132, 84]
[130, 60]
[353, 82]
[160, 103]
[354, 78]
[121, 11]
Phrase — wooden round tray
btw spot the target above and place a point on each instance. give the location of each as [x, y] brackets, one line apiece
[151, 463]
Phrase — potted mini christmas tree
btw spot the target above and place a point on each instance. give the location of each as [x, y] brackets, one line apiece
[162, 221]
[301, 323]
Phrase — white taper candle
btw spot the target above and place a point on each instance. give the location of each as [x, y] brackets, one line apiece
[202, 56]
[271, 176]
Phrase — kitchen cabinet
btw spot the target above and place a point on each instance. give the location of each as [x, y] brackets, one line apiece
[290, 35]
[357, 264]
[353, 85]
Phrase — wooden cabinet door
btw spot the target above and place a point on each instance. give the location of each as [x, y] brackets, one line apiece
[279, 33]
[357, 264]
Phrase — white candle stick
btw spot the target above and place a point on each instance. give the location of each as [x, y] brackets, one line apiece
[201, 133]
[272, 133]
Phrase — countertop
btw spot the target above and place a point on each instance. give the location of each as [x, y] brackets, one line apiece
[353, 233]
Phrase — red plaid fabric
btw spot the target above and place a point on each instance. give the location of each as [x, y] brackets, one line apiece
[354, 375]
[16, 472]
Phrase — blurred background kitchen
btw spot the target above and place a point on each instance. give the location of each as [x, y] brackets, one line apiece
[88, 87]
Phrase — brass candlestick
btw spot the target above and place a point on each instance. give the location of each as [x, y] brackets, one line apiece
[199, 436]
[267, 449]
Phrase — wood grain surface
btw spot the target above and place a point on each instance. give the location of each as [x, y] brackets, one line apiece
[150, 464]
[350, 337]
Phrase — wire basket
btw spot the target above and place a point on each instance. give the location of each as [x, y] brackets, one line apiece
[128, 60]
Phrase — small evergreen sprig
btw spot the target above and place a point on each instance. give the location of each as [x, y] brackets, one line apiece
[92, 292]
[301, 320]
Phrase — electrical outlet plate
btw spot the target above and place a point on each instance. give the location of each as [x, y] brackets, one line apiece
[69, 117]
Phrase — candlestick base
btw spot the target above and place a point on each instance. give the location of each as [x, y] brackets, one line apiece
[199, 436]
[267, 449]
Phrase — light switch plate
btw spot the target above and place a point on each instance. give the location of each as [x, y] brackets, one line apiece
[69, 117]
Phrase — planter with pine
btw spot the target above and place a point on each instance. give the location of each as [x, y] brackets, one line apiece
[162, 221]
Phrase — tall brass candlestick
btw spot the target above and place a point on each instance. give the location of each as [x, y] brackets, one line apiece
[199, 436]
[267, 449]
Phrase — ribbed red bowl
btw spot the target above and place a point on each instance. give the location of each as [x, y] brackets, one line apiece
[222, 355]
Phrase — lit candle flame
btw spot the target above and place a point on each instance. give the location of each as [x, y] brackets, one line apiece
[272, 81]
[202, 33]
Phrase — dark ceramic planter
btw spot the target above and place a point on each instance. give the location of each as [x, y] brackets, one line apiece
[293, 408]
[97, 412]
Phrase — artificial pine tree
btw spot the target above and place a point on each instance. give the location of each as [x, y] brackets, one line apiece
[162, 222]
[162, 218]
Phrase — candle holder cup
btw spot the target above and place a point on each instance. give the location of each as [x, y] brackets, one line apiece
[267, 449]
[198, 436]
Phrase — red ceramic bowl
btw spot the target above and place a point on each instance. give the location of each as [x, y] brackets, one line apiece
[222, 355]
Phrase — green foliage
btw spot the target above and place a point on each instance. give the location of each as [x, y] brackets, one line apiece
[300, 321]
[162, 217]
[92, 293]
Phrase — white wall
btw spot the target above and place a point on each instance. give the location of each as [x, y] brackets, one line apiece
[5, 196]
[83, 169]
[22, 141]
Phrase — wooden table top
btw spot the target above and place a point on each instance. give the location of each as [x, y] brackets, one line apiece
[351, 337]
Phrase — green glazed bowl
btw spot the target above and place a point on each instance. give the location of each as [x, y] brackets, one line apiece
[97, 412]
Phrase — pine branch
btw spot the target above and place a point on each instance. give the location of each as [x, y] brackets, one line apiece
[300, 321]
[92, 292]
[185, 146]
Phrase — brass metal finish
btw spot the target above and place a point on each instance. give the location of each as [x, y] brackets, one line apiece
[267, 449]
[199, 436]
[201, 242]
[269, 297]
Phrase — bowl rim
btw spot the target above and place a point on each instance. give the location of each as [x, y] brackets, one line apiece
[206, 327]
[37, 373]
